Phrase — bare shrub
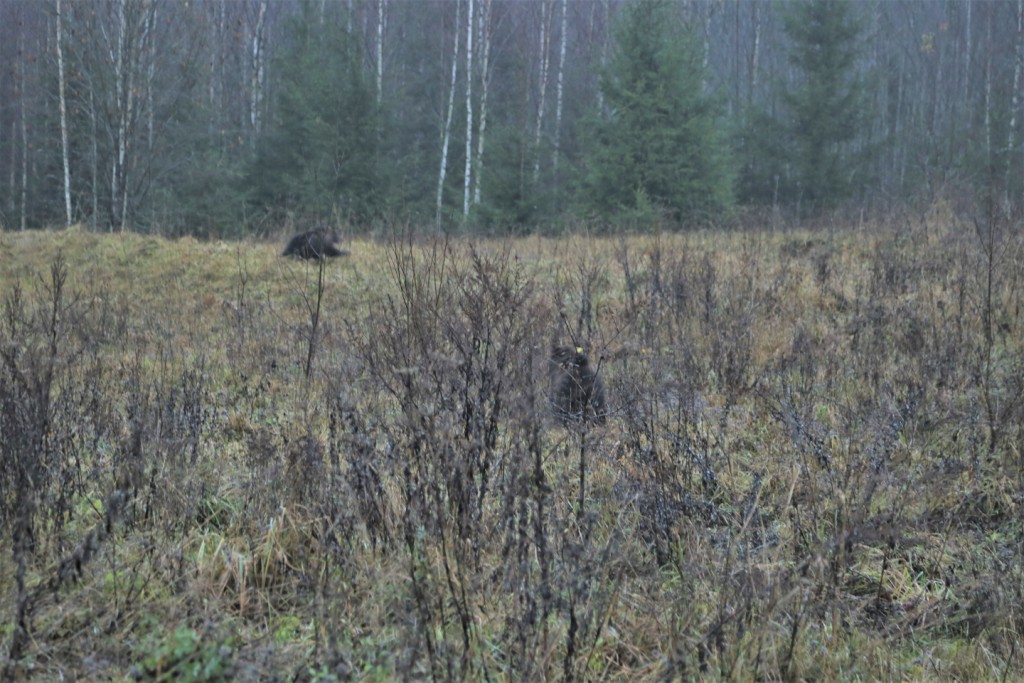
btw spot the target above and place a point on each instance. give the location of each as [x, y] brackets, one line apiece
[810, 461]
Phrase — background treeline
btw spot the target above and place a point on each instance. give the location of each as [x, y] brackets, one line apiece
[221, 117]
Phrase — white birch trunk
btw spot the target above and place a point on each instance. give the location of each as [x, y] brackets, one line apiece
[967, 53]
[62, 101]
[12, 181]
[130, 48]
[446, 136]
[133, 36]
[559, 88]
[216, 8]
[1012, 136]
[95, 159]
[10, 195]
[988, 94]
[128, 126]
[755, 52]
[148, 23]
[381, 19]
[24, 151]
[547, 10]
[468, 175]
[706, 15]
[605, 39]
[257, 75]
[485, 78]
[119, 89]
[898, 156]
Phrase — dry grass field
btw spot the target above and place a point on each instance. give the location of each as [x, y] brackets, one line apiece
[222, 464]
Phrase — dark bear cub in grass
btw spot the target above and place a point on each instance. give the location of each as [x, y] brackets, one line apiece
[315, 244]
[579, 392]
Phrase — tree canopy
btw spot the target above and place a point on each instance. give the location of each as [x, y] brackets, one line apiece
[212, 117]
[658, 144]
[827, 109]
[318, 155]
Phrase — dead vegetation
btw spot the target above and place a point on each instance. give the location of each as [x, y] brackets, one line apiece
[810, 467]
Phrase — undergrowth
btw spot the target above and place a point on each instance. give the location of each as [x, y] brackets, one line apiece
[217, 464]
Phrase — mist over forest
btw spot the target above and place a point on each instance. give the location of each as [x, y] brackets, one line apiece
[234, 117]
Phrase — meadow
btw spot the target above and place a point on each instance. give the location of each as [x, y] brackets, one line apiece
[222, 464]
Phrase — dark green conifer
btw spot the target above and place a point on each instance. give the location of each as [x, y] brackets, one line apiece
[658, 144]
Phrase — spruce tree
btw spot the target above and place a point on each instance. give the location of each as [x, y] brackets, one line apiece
[658, 145]
[827, 107]
[318, 155]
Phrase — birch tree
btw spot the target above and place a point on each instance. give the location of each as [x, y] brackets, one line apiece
[124, 106]
[546, 9]
[485, 79]
[559, 89]
[969, 8]
[62, 102]
[134, 31]
[603, 56]
[257, 70]
[988, 93]
[11, 165]
[150, 20]
[1012, 136]
[381, 21]
[755, 50]
[130, 73]
[467, 176]
[215, 86]
[446, 135]
[23, 223]
[94, 159]
[706, 16]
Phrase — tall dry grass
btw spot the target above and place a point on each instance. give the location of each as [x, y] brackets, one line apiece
[221, 464]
